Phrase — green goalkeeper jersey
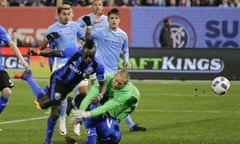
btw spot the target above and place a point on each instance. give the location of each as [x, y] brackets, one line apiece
[119, 103]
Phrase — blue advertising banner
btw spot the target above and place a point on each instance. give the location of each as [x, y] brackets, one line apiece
[191, 27]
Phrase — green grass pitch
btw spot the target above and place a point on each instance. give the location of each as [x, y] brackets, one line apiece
[174, 112]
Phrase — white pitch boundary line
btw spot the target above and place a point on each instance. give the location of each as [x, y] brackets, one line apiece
[23, 120]
[140, 110]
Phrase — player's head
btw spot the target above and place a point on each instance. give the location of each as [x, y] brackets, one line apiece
[97, 7]
[65, 13]
[114, 18]
[88, 51]
[120, 79]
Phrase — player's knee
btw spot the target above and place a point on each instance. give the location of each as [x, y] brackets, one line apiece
[6, 92]
[55, 113]
[44, 102]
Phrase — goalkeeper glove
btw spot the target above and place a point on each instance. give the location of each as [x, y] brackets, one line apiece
[52, 35]
[87, 20]
[81, 114]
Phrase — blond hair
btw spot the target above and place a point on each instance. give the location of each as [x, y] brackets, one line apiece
[63, 7]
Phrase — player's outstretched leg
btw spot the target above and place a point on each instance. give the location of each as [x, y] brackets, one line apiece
[132, 126]
[38, 92]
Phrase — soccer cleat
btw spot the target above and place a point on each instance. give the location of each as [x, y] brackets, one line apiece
[76, 129]
[137, 128]
[62, 127]
[69, 105]
[36, 104]
[70, 140]
[23, 74]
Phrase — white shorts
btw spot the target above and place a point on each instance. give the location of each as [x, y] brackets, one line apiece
[83, 83]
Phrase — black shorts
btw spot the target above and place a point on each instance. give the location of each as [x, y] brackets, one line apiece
[5, 80]
[57, 91]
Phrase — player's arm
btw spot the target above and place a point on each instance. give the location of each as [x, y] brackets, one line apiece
[93, 92]
[65, 53]
[18, 53]
[45, 53]
[125, 51]
[87, 21]
[109, 105]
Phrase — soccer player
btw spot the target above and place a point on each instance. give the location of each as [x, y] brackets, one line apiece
[62, 34]
[121, 98]
[111, 42]
[98, 19]
[80, 64]
[5, 83]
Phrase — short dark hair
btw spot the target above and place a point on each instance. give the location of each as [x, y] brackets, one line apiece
[89, 49]
[89, 43]
[63, 7]
[114, 11]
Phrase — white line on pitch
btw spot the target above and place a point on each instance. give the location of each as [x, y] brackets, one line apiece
[23, 120]
[140, 110]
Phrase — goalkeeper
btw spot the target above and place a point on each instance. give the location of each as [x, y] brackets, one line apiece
[120, 99]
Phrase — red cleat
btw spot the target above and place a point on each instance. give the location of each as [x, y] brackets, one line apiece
[23, 74]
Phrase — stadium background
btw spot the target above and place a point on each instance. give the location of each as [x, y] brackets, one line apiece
[206, 40]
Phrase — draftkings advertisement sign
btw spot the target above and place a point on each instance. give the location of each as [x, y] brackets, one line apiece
[184, 64]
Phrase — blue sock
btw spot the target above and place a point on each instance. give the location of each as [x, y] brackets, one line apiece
[129, 121]
[63, 109]
[45, 90]
[35, 88]
[3, 103]
[50, 129]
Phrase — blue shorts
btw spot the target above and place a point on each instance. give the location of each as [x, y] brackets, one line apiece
[107, 129]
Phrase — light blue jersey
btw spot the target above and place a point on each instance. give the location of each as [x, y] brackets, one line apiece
[109, 46]
[4, 39]
[69, 35]
[97, 26]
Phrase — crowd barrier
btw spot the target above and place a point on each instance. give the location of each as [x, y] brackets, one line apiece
[156, 64]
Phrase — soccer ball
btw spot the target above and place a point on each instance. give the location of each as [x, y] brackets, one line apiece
[220, 85]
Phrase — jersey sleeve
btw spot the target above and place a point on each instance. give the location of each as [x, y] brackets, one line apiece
[125, 49]
[46, 33]
[81, 23]
[4, 35]
[69, 52]
[118, 102]
[111, 104]
[80, 32]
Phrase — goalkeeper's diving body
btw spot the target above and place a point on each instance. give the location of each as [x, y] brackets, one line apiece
[102, 118]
